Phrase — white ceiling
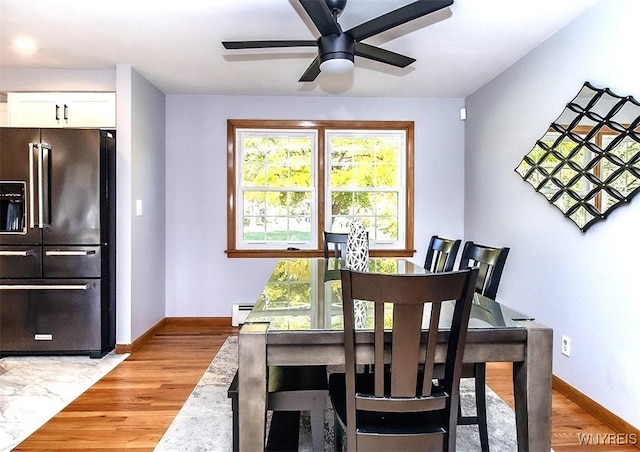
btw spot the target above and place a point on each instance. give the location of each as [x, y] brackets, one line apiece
[176, 44]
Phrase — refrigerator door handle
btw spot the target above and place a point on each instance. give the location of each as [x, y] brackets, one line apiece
[33, 158]
[39, 168]
[45, 184]
[69, 253]
[45, 286]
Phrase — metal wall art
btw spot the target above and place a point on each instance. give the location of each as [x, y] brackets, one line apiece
[588, 162]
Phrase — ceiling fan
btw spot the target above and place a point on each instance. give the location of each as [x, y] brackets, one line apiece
[337, 48]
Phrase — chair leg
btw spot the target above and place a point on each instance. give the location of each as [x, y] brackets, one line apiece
[236, 434]
[481, 405]
[316, 413]
[337, 434]
[317, 424]
[232, 393]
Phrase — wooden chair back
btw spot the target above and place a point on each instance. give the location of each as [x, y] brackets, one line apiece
[335, 245]
[490, 261]
[404, 386]
[441, 254]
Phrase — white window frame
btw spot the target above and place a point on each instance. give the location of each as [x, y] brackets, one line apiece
[243, 244]
[399, 189]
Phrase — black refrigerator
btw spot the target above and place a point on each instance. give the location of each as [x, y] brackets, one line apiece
[57, 241]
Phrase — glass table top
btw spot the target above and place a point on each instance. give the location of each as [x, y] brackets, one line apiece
[305, 294]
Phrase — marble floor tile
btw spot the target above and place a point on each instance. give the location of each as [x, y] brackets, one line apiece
[35, 388]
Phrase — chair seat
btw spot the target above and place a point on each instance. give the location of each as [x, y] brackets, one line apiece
[297, 378]
[291, 388]
[382, 422]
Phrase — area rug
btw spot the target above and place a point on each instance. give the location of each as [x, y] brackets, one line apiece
[33, 389]
[204, 423]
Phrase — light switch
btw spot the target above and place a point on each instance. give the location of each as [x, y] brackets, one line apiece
[139, 207]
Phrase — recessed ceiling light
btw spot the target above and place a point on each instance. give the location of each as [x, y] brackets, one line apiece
[24, 45]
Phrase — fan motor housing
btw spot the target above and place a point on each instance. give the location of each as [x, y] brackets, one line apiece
[336, 46]
[336, 6]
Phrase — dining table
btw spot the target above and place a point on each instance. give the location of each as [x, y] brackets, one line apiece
[297, 321]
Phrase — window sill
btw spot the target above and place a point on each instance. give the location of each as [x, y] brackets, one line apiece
[309, 253]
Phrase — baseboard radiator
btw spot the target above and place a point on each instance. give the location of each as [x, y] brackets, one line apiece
[239, 313]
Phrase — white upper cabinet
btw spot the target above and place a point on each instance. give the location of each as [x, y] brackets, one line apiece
[3, 114]
[95, 110]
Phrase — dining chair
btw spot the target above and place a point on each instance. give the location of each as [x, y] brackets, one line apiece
[291, 388]
[441, 254]
[490, 262]
[335, 245]
[398, 406]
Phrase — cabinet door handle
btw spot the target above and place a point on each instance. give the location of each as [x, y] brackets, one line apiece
[57, 112]
[45, 286]
[66, 112]
[69, 253]
[15, 253]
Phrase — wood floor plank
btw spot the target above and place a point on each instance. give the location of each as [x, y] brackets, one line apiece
[132, 406]
[572, 428]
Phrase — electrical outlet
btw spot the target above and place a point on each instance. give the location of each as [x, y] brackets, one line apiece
[566, 345]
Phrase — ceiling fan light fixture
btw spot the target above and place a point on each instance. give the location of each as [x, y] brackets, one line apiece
[24, 45]
[336, 48]
[336, 53]
[337, 66]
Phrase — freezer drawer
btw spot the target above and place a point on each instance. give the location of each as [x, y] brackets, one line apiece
[72, 262]
[20, 262]
[41, 316]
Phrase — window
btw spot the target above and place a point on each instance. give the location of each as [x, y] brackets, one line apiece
[365, 183]
[288, 181]
[276, 189]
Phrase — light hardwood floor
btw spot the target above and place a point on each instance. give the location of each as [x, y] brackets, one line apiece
[132, 406]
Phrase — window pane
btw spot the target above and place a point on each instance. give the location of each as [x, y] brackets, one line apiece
[277, 229]
[365, 161]
[277, 176]
[277, 216]
[387, 204]
[253, 228]
[299, 229]
[386, 228]
[366, 180]
[254, 203]
[276, 161]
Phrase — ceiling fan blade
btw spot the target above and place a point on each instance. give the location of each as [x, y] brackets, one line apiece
[234, 45]
[382, 55]
[321, 16]
[397, 17]
[312, 71]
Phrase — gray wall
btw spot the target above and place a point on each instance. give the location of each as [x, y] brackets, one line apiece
[201, 280]
[582, 285]
[141, 176]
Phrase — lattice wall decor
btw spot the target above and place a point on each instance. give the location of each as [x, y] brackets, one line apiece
[588, 162]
